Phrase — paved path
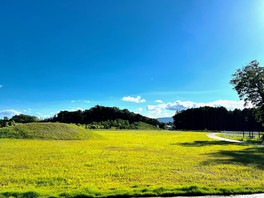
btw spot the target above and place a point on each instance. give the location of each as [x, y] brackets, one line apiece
[214, 136]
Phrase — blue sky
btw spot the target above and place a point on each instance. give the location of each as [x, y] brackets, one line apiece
[149, 56]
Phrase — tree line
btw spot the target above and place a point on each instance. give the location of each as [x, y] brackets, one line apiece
[105, 115]
[217, 118]
[95, 117]
[22, 118]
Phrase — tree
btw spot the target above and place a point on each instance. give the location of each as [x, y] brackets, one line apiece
[24, 118]
[249, 84]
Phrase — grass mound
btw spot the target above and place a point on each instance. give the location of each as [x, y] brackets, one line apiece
[144, 126]
[49, 131]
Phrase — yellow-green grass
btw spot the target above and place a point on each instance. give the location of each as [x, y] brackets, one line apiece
[49, 131]
[129, 163]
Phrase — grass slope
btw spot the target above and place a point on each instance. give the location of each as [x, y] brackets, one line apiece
[129, 163]
[145, 126]
[49, 131]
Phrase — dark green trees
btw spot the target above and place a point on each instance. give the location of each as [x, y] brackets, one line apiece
[102, 114]
[24, 118]
[249, 84]
[216, 118]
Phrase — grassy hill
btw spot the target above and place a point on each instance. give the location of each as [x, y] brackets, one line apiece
[144, 126]
[49, 131]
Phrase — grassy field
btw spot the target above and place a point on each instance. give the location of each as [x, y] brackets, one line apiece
[129, 163]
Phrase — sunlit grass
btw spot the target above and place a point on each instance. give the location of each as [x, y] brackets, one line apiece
[130, 163]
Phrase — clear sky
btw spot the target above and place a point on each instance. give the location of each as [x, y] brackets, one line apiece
[149, 56]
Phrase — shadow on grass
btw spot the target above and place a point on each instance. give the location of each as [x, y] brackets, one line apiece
[205, 143]
[247, 157]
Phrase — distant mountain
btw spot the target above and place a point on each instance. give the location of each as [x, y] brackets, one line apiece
[165, 119]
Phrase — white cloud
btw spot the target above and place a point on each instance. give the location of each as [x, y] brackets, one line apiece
[9, 113]
[229, 104]
[43, 116]
[156, 111]
[85, 101]
[77, 109]
[133, 99]
[138, 110]
[27, 110]
[161, 114]
[162, 110]
[158, 101]
[152, 108]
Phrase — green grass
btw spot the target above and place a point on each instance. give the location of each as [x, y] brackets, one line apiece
[239, 136]
[48, 131]
[145, 126]
[129, 163]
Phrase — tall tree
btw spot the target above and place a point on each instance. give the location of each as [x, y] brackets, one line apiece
[249, 84]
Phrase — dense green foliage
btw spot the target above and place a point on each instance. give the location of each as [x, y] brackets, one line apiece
[129, 163]
[51, 131]
[120, 124]
[101, 113]
[22, 118]
[6, 122]
[249, 84]
[216, 118]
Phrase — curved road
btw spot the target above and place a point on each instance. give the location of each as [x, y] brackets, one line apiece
[214, 136]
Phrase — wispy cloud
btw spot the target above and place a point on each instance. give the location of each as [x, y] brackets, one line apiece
[133, 99]
[158, 101]
[139, 110]
[43, 116]
[9, 113]
[84, 101]
[76, 109]
[27, 110]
